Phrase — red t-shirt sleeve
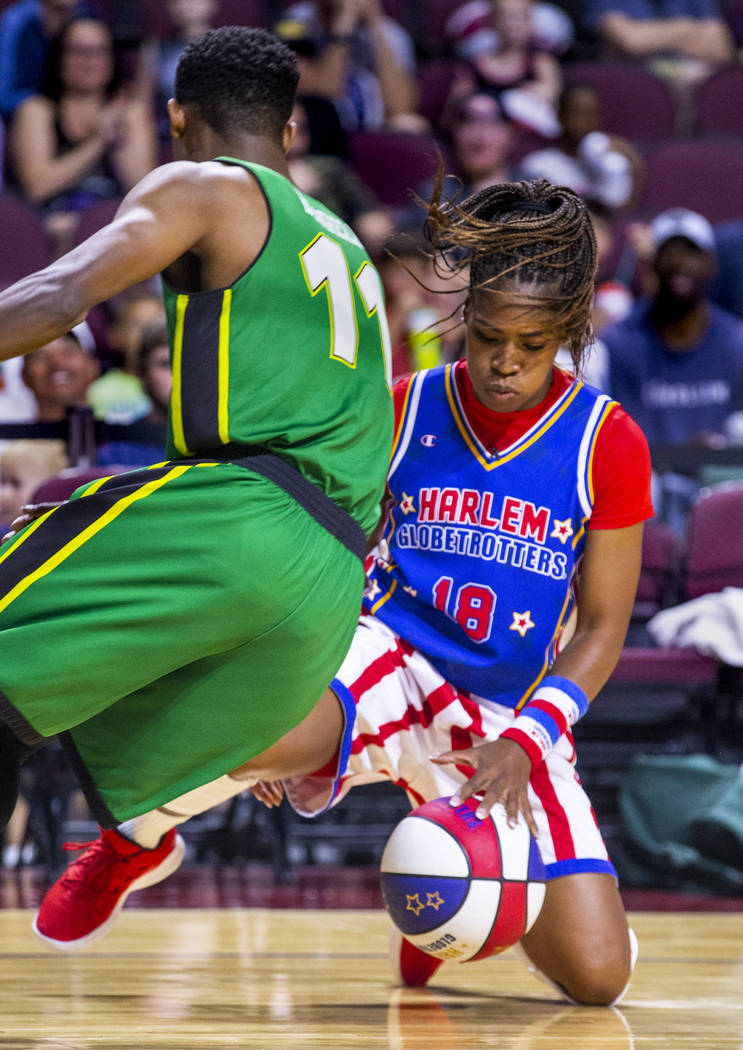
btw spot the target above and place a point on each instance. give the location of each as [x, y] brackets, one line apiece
[398, 398]
[621, 474]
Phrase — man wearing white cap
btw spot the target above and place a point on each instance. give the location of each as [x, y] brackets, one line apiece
[676, 363]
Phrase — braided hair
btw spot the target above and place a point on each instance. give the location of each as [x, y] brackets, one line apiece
[521, 234]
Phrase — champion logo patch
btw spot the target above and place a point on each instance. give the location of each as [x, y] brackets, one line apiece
[428, 440]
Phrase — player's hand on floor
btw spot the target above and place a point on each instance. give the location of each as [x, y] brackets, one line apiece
[30, 512]
[502, 775]
[269, 792]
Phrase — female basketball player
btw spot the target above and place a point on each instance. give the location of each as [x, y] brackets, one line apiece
[498, 597]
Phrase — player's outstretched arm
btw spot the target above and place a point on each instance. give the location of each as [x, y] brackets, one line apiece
[163, 217]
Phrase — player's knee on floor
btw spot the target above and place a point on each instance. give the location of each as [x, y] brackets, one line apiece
[600, 980]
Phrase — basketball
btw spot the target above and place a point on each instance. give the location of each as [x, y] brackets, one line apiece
[460, 888]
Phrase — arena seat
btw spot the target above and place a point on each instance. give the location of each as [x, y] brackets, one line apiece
[668, 699]
[25, 244]
[714, 557]
[659, 572]
[705, 175]
[427, 22]
[635, 103]
[393, 163]
[435, 78]
[94, 218]
[717, 103]
[712, 560]
[61, 487]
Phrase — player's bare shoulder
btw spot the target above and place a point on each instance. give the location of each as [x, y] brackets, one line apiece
[227, 209]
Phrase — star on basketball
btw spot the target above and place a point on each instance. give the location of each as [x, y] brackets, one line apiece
[414, 903]
[562, 530]
[434, 900]
[407, 506]
[522, 622]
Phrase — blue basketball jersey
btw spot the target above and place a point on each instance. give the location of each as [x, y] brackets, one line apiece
[480, 552]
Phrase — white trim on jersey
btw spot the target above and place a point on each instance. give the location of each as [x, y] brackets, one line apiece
[586, 445]
[412, 412]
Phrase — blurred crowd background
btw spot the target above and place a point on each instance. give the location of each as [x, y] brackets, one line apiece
[636, 104]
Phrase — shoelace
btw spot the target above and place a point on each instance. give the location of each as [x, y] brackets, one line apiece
[93, 867]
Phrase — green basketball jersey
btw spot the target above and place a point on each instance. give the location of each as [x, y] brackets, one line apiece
[294, 356]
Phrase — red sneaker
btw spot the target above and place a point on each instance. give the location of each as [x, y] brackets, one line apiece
[83, 903]
[411, 966]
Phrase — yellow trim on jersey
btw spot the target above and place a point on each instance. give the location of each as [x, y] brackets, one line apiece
[325, 283]
[464, 431]
[579, 534]
[589, 473]
[74, 544]
[95, 485]
[224, 368]
[179, 437]
[384, 598]
[28, 531]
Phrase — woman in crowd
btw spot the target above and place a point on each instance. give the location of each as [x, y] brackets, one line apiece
[83, 139]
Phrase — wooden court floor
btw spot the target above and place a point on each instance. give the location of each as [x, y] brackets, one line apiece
[179, 979]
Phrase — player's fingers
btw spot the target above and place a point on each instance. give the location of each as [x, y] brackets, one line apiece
[466, 757]
[35, 510]
[529, 817]
[490, 795]
[258, 791]
[16, 525]
[29, 512]
[476, 785]
[270, 793]
[446, 757]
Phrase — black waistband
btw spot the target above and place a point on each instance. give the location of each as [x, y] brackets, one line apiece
[322, 508]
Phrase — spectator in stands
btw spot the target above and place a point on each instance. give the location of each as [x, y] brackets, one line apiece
[596, 165]
[482, 139]
[526, 78]
[23, 467]
[687, 39]
[17, 403]
[349, 51]
[26, 30]
[727, 284]
[426, 328]
[59, 374]
[469, 29]
[118, 396]
[676, 362]
[334, 182]
[82, 139]
[159, 58]
[156, 376]
[614, 298]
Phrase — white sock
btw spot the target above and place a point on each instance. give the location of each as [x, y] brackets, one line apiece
[149, 828]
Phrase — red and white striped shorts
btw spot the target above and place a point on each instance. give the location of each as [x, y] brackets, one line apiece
[405, 712]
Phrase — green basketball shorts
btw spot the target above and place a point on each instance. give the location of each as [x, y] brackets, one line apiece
[171, 623]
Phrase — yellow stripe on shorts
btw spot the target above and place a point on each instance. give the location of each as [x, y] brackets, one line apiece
[69, 548]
